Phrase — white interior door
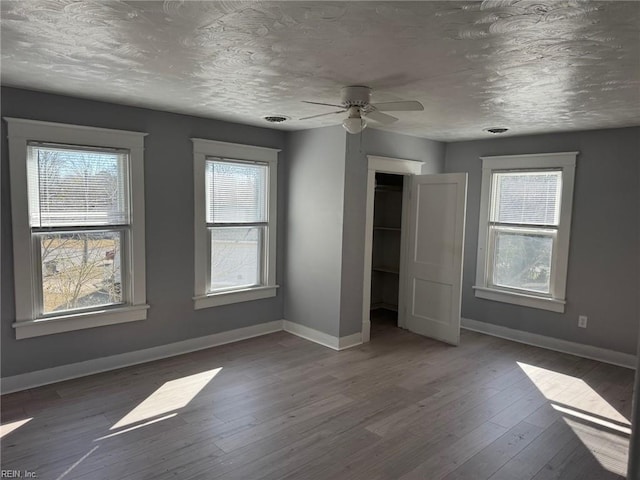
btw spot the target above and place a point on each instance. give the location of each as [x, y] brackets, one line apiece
[435, 247]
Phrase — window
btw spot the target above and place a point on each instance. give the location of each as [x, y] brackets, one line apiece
[235, 222]
[79, 256]
[524, 228]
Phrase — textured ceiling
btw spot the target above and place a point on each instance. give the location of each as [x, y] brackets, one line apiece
[532, 66]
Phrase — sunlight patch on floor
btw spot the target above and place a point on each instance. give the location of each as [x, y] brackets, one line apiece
[598, 425]
[171, 396]
[7, 428]
[592, 419]
[571, 391]
[610, 450]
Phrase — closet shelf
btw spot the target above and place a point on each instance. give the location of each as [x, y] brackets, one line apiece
[387, 269]
[391, 229]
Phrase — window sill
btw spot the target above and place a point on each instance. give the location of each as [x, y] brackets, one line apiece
[234, 296]
[524, 300]
[79, 321]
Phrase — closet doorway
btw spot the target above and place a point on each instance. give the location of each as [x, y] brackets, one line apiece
[386, 249]
[387, 187]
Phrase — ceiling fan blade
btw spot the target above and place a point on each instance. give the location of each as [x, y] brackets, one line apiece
[407, 106]
[320, 103]
[322, 115]
[380, 117]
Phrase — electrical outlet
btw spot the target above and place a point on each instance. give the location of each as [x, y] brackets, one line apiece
[582, 321]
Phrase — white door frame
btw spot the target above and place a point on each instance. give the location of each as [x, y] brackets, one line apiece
[397, 166]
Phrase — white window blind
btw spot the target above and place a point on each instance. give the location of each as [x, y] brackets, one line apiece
[236, 192]
[526, 197]
[71, 187]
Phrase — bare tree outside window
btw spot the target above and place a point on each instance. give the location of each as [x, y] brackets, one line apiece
[523, 261]
[80, 270]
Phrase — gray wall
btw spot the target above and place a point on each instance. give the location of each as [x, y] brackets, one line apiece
[169, 235]
[602, 279]
[633, 472]
[385, 144]
[315, 170]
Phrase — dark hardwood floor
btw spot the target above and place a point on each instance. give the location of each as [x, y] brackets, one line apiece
[279, 407]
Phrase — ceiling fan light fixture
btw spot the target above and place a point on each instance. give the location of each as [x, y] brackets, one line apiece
[356, 101]
[354, 125]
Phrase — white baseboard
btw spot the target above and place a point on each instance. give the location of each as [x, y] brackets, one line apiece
[386, 306]
[350, 341]
[336, 343]
[98, 365]
[90, 367]
[550, 343]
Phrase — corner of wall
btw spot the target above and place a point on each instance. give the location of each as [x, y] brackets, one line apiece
[314, 184]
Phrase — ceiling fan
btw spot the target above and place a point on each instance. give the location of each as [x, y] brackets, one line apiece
[356, 101]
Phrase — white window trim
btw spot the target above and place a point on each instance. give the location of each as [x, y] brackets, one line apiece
[21, 131]
[213, 148]
[556, 301]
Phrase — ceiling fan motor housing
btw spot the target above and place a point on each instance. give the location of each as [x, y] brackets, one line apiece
[356, 96]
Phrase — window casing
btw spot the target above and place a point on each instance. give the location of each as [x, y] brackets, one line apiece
[525, 218]
[78, 253]
[235, 222]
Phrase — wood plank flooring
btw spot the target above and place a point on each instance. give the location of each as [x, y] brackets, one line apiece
[279, 407]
